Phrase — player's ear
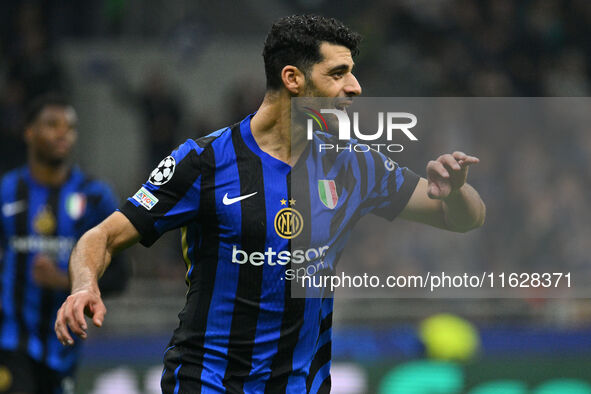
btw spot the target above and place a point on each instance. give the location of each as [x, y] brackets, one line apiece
[293, 79]
[28, 134]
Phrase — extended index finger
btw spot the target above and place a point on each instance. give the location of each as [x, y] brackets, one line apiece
[464, 159]
[468, 161]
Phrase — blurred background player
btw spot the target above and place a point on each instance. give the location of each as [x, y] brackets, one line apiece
[46, 206]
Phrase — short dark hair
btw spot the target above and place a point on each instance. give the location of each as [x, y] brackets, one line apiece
[295, 40]
[41, 102]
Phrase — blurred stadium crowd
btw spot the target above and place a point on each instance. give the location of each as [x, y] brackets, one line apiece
[536, 187]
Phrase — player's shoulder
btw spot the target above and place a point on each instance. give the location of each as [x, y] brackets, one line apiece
[345, 151]
[346, 155]
[218, 135]
[90, 185]
[195, 147]
[93, 185]
[11, 178]
[12, 175]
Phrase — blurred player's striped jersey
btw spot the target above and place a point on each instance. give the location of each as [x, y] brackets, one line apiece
[41, 220]
[243, 216]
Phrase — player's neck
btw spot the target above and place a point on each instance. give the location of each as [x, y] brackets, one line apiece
[271, 129]
[47, 174]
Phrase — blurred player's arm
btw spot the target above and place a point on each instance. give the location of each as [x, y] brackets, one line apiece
[46, 274]
[444, 199]
[90, 258]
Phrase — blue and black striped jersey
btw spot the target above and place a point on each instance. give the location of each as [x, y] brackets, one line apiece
[41, 220]
[246, 218]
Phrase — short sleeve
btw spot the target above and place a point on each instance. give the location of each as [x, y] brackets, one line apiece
[392, 186]
[170, 197]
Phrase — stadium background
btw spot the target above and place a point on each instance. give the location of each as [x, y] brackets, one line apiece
[146, 75]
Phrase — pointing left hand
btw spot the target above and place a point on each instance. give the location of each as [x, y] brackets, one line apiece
[448, 173]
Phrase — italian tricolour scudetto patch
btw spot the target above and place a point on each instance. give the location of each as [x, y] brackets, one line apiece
[327, 191]
[76, 205]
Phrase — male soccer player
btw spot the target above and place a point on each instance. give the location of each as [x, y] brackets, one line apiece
[46, 206]
[231, 194]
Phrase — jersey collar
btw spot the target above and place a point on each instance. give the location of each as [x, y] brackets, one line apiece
[251, 143]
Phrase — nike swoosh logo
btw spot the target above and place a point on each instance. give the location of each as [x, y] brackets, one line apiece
[12, 208]
[230, 201]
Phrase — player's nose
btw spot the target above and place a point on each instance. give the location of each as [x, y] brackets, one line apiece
[63, 130]
[352, 87]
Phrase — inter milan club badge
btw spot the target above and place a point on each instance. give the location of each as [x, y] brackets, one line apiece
[328, 193]
[288, 221]
[5, 378]
[45, 222]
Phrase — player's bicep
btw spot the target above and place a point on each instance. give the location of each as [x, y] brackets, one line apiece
[422, 209]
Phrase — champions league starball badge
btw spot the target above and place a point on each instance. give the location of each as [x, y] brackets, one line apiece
[163, 172]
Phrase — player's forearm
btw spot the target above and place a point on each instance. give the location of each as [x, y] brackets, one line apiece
[92, 254]
[464, 210]
[62, 282]
[89, 260]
